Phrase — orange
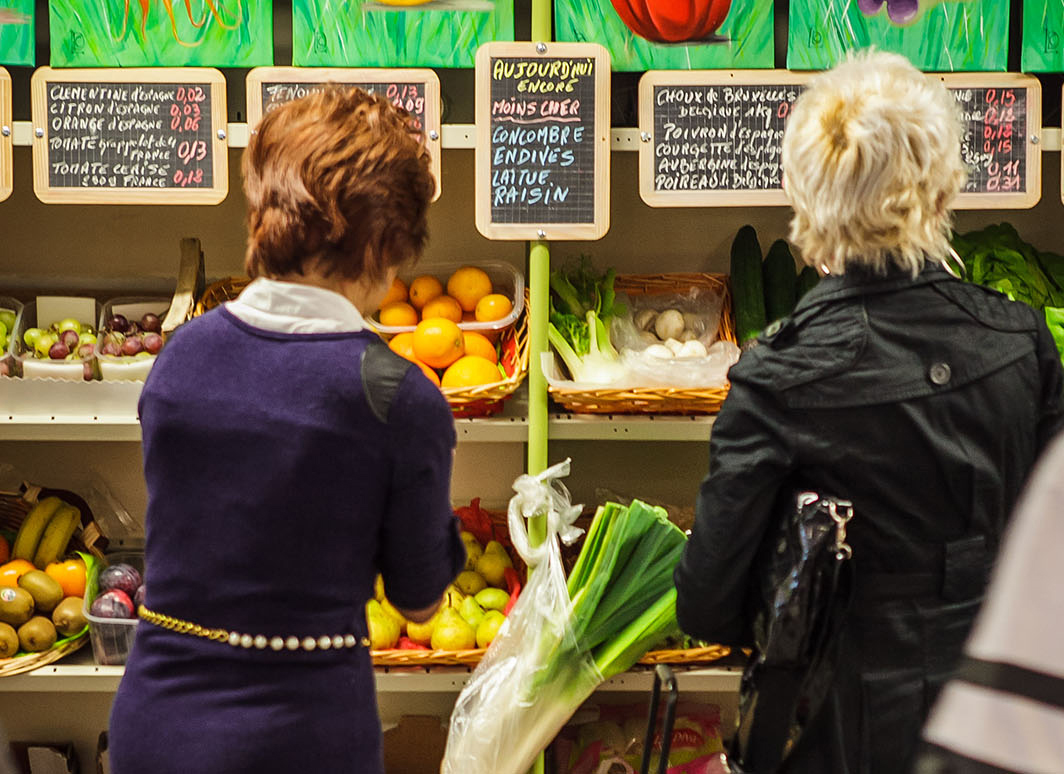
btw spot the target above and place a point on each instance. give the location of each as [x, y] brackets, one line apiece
[398, 314]
[438, 342]
[492, 307]
[397, 292]
[424, 289]
[13, 570]
[70, 575]
[432, 375]
[477, 344]
[402, 344]
[469, 371]
[442, 306]
[469, 284]
[5, 550]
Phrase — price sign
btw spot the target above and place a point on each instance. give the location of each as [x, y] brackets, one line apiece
[415, 90]
[543, 130]
[7, 129]
[714, 138]
[1002, 114]
[130, 136]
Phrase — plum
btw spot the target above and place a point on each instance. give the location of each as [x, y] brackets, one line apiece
[121, 576]
[113, 603]
[119, 323]
[150, 323]
[152, 342]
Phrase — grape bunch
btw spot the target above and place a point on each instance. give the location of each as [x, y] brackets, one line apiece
[899, 11]
[123, 337]
[67, 339]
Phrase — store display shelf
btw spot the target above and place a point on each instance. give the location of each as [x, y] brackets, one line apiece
[61, 428]
[630, 427]
[77, 674]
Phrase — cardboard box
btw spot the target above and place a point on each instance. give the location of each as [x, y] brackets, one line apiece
[45, 757]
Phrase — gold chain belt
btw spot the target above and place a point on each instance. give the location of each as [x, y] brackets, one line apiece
[247, 641]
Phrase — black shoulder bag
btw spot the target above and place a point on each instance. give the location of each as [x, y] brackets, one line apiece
[803, 593]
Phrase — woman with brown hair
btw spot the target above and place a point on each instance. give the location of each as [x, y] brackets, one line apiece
[290, 457]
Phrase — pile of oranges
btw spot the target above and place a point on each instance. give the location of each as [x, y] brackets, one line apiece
[437, 343]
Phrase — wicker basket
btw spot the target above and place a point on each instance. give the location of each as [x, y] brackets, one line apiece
[657, 400]
[480, 401]
[13, 509]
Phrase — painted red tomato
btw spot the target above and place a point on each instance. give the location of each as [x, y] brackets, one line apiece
[673, 21]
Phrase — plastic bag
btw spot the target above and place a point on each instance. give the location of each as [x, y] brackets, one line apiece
[507, 713]
[699, 309]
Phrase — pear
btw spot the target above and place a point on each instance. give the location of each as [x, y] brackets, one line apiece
[452, 597]
[378, 588]
[383, 630]
[470, 582]
[452, 632]
[391, 611]
[473, 549]
[489, 628]
[471, 612]
[492, 599]
[421, 633]
[493, 564]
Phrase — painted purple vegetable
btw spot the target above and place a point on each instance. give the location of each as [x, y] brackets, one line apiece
[899, 11]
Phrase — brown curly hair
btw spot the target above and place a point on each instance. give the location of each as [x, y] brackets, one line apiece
[339, 178]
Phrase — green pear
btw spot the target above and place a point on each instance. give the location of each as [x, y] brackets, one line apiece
[470, 582]
[452, 632]
[471, 612]
[492, 599]
[489, 628]
[383, 630]
[492, 565]
[421, 633]
[390, 611]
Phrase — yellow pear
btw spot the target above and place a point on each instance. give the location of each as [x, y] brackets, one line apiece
[452, 632]
[493, 564]
[471, 612]
[383, 630]
[390, 611]
[470, 582]
[489, 628]
[378, 588]
[493, 599]
[473, 549]
[452, 597]
[421, 633]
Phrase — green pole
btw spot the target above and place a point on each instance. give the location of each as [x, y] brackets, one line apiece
[541, 21]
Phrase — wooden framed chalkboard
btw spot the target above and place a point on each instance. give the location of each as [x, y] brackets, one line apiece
[1002, 144]
[713, 138]
[543, 134]
[416, 90]
[130, 136]
[7, 129]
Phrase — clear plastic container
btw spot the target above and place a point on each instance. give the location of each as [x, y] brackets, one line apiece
[7, 348]
[505, 279]
[61, 307]
[112, 638]
[128, 367]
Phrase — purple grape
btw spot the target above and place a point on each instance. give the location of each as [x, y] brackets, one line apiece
[152, 342]
[123, 577]
[899, 11]
[58, 351]
[70, 338]
[114, 603]
[138, 598]
[5, 368]
[118, 323]
[86, 372]
[85, 350]
[150, 323]
[131, 345]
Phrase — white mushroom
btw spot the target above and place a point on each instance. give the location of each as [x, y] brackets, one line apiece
[669, 324]
[659, 351]
[693, 348]
[644, 319]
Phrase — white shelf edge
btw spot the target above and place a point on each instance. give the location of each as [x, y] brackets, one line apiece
[644, 427]
[68, 429]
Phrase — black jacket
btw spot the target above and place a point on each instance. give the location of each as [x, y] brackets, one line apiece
[926, 402]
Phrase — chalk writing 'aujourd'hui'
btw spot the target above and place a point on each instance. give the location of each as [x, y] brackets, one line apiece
[549, 76]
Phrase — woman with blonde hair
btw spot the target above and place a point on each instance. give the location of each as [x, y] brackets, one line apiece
[922, 399]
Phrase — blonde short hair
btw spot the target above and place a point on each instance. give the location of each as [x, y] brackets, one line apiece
[871, 164]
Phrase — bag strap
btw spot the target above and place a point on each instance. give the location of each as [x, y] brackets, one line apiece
[382, 373]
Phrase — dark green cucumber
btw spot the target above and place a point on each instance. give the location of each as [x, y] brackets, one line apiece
[780, 277]
[748, 296]
[807, 280]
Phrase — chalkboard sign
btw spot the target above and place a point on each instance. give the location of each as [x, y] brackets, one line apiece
[714, 138]
[415, 90]
[7, 129]
[543, 130]
[130, 136]
[1001, 146]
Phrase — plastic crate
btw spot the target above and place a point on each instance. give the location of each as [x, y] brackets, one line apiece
[112, 638]
[31, 367]
[7, 353]
[129, 368]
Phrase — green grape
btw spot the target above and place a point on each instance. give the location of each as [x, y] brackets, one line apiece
[69, 324]
[31, 335]
[7, 317]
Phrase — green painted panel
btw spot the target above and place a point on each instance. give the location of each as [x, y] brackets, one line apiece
[16, 32]
[1043, 36]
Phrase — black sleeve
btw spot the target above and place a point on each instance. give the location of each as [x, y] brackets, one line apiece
[751, 455]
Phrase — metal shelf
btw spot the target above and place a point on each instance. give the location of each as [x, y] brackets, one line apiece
[614, 427]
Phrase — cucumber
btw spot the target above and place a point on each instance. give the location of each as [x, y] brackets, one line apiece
[748, 296]
[807, 280]
[780, 277]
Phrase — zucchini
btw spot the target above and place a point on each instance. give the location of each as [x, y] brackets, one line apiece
[748, 297]
[780, 279]
[807, 280]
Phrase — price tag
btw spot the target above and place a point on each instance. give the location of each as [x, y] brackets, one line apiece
[714, 138]
[543, 130]
[7, 130]
[415, 90]
[130, 136]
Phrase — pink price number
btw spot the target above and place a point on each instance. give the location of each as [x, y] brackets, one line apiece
[407, 97]
[185, 112]
[191, 177]
[190, 151]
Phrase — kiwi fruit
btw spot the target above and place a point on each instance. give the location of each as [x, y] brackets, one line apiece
[8, 640]
[36, 634]
[16, 606]
[45, 590]
[69, 616]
